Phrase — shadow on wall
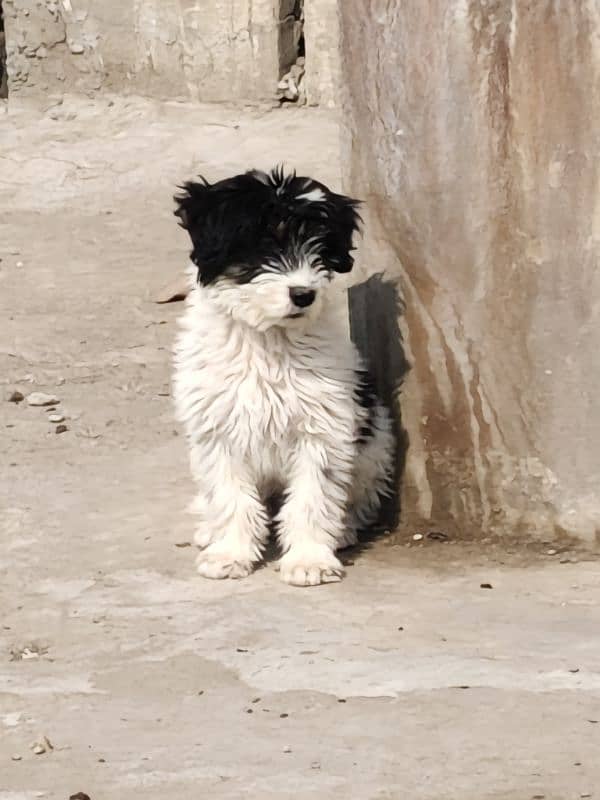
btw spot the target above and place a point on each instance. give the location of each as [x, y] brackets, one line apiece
[375, 309]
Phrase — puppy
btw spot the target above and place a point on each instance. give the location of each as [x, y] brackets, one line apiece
[274, 397]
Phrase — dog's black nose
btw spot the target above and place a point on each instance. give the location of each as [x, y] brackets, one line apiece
[302, 297]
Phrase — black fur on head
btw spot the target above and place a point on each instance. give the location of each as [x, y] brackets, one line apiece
[260, 221]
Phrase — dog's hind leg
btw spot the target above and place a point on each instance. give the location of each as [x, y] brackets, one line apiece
[373, 476]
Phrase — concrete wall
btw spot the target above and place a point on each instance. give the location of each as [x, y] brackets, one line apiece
[209, 50]
[217, 50]
[474, 134]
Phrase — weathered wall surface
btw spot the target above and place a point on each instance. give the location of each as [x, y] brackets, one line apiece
[474, 135]
[217, 50]
[208, 50]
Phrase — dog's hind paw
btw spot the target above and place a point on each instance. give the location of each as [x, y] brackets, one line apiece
[218, 566]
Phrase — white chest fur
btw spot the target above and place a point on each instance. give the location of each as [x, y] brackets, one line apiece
[256, 392]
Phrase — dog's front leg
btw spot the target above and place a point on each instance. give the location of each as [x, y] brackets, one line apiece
[233, 521]
[311, 523]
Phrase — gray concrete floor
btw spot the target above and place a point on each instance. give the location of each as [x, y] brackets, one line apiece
[406, 681]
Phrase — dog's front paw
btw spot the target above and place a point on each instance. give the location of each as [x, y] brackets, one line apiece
[222, 565]
[307, 567]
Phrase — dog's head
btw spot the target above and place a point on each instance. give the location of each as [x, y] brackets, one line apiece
[269, 243]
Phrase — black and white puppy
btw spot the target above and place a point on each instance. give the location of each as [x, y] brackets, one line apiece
[273, 395]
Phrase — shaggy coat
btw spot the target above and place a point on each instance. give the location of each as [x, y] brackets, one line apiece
[274, 398]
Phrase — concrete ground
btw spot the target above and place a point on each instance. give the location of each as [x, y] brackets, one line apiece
[407, 681]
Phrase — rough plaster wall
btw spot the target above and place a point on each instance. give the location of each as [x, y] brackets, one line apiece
[322, 37]
[200, 49]
[474, 136]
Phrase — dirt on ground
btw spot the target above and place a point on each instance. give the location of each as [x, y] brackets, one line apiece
[437, 670]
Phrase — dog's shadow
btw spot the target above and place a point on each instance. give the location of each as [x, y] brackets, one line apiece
[375, 308]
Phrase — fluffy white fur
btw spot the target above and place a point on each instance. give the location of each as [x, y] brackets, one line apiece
[269, 404]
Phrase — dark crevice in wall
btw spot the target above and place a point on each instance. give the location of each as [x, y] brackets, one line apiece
[301, 45]
[291, 33]
[291, 51]
[3, 75]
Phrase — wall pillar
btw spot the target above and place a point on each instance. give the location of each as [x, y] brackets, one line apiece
[473, 133]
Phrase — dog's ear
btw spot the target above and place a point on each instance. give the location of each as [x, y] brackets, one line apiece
[344, 220]
[222, 220]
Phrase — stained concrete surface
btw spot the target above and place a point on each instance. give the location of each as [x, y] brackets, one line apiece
[406, 681]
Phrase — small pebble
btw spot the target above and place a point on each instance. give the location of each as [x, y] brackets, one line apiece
[61, 429]
[551, 552]
[16, 397]
[27, 654]
[38, 749]
[287, 749]
[485, 586]
[315, 765]
[16, 757]
[417, 537]
[42, 399]
[79, 796]
[55, 418]
[19, 264]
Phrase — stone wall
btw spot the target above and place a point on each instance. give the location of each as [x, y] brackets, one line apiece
[474, 134]
[217, 50]
[208, 50]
